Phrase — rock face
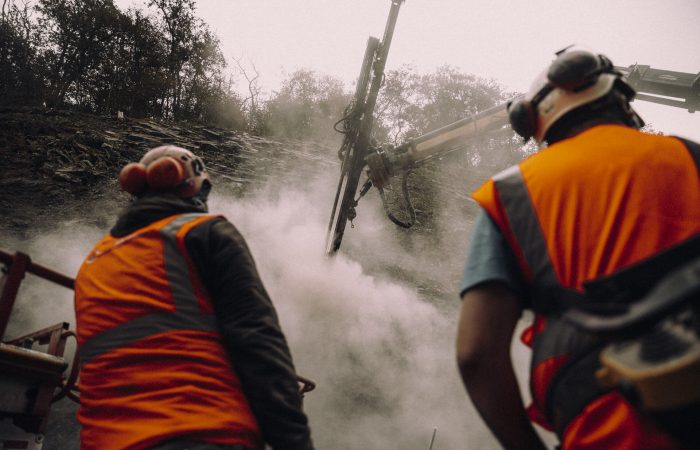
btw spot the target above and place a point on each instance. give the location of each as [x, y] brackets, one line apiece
[55, 161]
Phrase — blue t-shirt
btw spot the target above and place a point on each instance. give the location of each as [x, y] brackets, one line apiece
[490, 258]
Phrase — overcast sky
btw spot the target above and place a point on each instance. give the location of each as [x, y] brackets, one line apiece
[507, 40]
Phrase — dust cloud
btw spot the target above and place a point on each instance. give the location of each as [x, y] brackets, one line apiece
[380, 350]
[382, 356]
[381, 353]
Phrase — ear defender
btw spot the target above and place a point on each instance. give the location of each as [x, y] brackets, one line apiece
[162, 174]
[522, 118]
[573, 71]
[132, 178]
[522, 113]
[165, 174]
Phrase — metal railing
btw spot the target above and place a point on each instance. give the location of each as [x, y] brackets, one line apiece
[40, 371]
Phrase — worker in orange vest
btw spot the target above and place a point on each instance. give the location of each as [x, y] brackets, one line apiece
[180, 344]
[600, 197]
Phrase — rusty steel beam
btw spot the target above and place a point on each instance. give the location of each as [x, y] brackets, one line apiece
[15, 267]
[11, 280]
[39, 270]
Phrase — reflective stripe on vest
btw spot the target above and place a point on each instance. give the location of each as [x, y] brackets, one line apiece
[559, 340]
[521, 215]
[187, 314]
[547, 294]
[524, 224]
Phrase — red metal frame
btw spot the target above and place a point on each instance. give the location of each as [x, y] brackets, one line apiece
[48, 376]
[17, 265]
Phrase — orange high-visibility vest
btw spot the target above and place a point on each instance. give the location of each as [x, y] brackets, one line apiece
[153, 364]
[587, 207]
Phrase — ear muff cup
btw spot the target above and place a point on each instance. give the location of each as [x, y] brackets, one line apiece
[165, 173]
[132, 178]
[522, 118]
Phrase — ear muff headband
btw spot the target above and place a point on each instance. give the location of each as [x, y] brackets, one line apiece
[163, 174]
[577, 70]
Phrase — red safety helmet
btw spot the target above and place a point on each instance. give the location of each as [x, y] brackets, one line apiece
[165, 169]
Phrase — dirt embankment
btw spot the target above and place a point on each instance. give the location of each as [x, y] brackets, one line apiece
[56, 163]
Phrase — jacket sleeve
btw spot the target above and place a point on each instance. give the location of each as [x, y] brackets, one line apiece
[251, 332]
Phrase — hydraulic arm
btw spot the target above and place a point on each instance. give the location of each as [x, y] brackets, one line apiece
[666, 87]
[357, 128]
[678, 89]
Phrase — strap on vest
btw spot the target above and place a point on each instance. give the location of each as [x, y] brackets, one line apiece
[520, 210]
[634, 281]
[615, 293]
[554, 299]
[630, 299]
[674, 292]
[675, 283]
[573, 387]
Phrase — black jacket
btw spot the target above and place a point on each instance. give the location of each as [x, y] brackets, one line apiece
[245, 315]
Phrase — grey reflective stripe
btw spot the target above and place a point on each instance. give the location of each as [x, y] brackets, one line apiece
[176, 268]
[525, 225]
[187, 314]
[143, 327]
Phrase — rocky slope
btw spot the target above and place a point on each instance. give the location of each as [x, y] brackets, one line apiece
[55, 161]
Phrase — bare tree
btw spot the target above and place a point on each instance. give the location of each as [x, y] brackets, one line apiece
[179, 25]
[250, 103]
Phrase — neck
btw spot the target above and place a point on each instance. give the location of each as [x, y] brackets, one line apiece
[573, 130]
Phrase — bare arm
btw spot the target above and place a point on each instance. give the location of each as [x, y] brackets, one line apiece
[489, 314]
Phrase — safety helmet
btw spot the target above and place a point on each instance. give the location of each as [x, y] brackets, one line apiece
[575, 78]
[167, 168]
